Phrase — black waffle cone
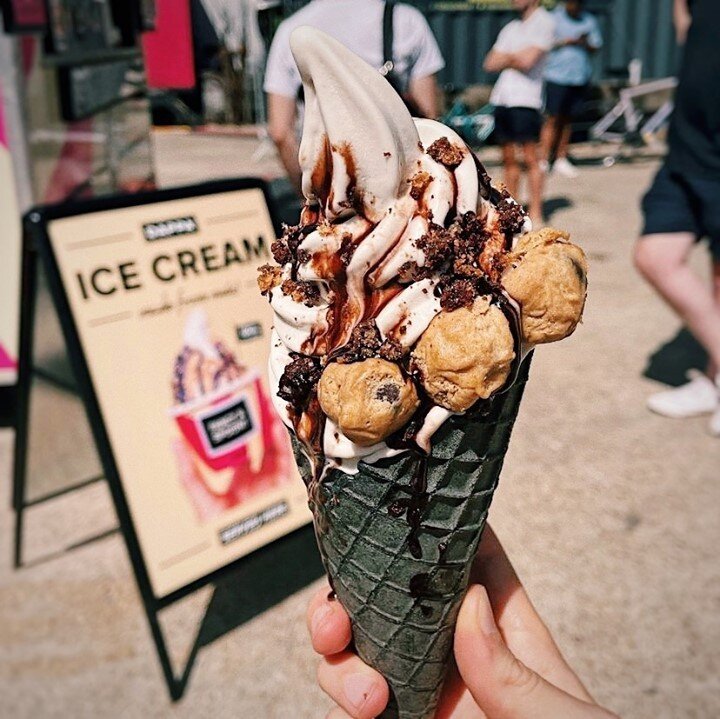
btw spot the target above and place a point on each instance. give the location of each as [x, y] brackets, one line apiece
[403, 608]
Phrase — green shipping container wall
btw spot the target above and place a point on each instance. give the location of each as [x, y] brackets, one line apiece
[466, 30]
[631, 29]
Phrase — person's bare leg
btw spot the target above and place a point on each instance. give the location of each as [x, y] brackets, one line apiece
[662, 260]
[714, 367]
[511, 169]
[563, 132]
[548, 137]
[535, 181]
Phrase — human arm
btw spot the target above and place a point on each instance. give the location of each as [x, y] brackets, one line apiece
[682, 20]
[503, 55]
[282, 84]
[281, 128]
[587, 41]
[592, 40]
[424, 93]
[507, 662]
[427, 60]
[581, 41]
[499, 57]
[524, 60]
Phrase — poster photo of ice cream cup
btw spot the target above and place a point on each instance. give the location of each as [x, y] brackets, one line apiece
[230, 445]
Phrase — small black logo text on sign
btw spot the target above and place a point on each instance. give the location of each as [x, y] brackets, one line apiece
[249, 331]
[170, 228]
[228, 424]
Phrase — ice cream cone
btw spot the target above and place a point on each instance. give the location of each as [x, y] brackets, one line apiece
[402, 581]
[398, 357]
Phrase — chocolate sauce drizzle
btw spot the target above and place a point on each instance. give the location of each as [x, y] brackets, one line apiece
[420, 585]
[418, 502]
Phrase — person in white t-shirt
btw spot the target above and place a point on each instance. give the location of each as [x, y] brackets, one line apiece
[357, 24]
[519, 56]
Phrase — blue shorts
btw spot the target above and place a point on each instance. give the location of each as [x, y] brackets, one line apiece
[676, 203]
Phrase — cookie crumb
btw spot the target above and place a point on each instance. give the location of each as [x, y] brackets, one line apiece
[269, 277]
[299, 380]
[308, 293]
[444, 152]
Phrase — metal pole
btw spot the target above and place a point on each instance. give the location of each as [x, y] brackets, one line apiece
[22, 427]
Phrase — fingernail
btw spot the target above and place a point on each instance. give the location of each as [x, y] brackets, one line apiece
[484, 612]
[318, 617]
[357, 688]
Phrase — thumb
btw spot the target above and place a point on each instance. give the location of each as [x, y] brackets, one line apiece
[501, 685]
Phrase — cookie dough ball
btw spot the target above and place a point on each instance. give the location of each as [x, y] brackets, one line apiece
[539, 238]
[367, 400]
[547, 275]
[465, 355]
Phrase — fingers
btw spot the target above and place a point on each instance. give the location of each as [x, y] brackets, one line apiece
[456, 701]
[502, 686]
[520, 625]
[353, 685]
[360, 691]
[328, 624]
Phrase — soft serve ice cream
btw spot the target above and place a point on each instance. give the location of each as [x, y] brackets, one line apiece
[390, 306]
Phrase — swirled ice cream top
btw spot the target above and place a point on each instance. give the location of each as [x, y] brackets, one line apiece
[394, 206]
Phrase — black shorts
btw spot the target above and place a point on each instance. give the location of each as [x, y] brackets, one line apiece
[517, 124]
[676, 203]
[565, 100]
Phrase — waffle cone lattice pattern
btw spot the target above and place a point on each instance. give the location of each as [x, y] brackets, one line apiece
[403, 608]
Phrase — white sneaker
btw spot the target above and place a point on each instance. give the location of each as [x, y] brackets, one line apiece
[544, 166]
[563, 167]
[699, 396]
[715, 419]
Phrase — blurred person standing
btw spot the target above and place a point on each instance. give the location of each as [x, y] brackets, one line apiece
[359, 25]
[519, 56]
[683, 205]
[567, 74]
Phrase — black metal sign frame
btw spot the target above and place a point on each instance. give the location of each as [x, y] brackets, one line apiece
[37, 240]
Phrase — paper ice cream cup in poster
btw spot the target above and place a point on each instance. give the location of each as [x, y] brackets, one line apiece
[232, 444]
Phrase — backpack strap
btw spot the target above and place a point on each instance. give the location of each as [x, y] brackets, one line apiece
[388, 68]
[388, 34]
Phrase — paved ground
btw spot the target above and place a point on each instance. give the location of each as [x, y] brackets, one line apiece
[609, 513]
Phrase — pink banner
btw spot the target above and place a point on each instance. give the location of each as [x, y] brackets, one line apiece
[168, 50]
[29, 13]
[9, 256]
[6, 361]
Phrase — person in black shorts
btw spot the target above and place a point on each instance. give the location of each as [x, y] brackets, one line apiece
[519, 56]
[683, 206]
[567, 74]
